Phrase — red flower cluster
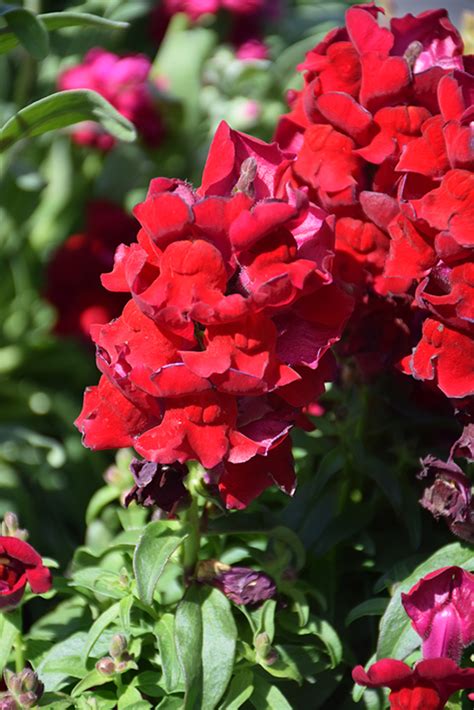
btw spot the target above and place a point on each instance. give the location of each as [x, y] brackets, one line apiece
[427, 686]
[227, 333]
[124, 82]
[73, 276]
[20, 565]
[381, 134]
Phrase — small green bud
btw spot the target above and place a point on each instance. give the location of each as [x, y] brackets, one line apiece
[118, 646]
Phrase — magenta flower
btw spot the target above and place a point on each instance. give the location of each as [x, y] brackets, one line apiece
[124, 82]
[428, 686]
[441, 607]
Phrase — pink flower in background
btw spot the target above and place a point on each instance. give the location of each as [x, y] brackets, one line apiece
[124, 82]
[441, 607]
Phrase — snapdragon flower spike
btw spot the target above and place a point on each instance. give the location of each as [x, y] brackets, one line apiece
[227, 333]
[441, 607]
[381, 135]
[428, 686]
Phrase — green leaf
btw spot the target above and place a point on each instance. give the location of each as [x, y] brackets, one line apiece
[101, 582]
[125, 608]
[62, 109]
[90, 680]
[57, 21]
[27, 29]
[240, 690]
[63, 661]
[325, 632]
[266, 619]
[10, 625]
[267, 696]
[218, 646]
[164, 631]
[153, 552]
[188, 635]
[397, 639]
[99, 625]
[371, 607]
[132, 700]
[99, 500]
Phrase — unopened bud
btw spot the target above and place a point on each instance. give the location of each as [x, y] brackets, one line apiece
[263, 644]
[28, 680]
[11, 527]
[118, 646]
[28, 700]
[105, 666]
[8, 703]
[12, 681]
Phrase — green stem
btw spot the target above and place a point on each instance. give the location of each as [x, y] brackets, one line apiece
[192, 541]
[19, 657]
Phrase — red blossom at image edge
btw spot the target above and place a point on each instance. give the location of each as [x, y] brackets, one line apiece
[73, 275]
[441, 608]
[381, 135]
[427, 686]
[226, 337]
[20, 565]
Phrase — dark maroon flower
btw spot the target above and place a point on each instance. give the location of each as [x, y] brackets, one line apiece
[428, 686]
[20, 565]
[73, 276]
[157, 485]
[243, 585]
[441, 608]
[464, 446]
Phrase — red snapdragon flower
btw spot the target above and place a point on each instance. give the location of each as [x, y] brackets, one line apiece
[441, 607]
[227, 332]
[381, 135]
[20, 565]
[428, 686]
[124, 82]
[73, 276]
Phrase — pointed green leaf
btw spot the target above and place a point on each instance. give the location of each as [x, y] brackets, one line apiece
[188, 636]
[99, 625]
[371, 607]
[57, 21]
[27, 29]
[240, 690]
[61, 109]
[151, 556]
[218, 646]
[164, 631]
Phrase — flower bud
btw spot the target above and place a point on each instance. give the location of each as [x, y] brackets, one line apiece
[10, 526]
[105, 666]
[28, 700]
[263, 645]
[12, 681]
[118, 646]
[8, 703]
[29, 680]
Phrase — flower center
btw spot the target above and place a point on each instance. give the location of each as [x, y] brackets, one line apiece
[10, 572]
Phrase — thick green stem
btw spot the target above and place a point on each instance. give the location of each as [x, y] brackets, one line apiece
[192, 541]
